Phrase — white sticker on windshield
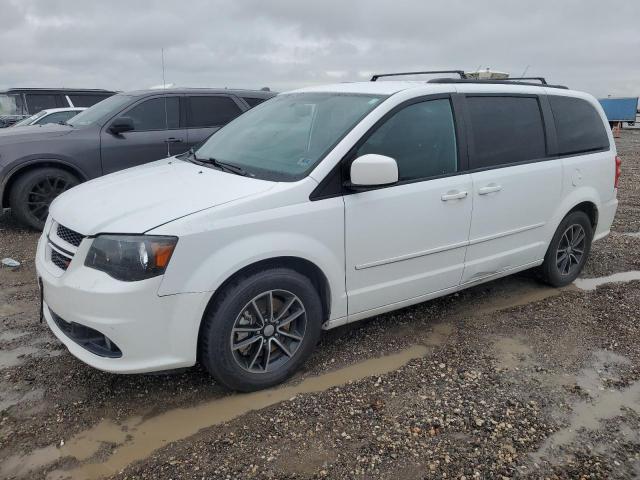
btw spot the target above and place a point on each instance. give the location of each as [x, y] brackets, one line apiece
[373, 101]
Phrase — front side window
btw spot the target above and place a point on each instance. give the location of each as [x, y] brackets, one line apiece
[421, 138]
[284, 138]
[505, 130]
[579, 126]
[160, 113]
[101, 111]
[212, 111]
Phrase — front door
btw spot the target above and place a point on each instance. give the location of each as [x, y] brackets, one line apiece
[408, 240]
[156, 135]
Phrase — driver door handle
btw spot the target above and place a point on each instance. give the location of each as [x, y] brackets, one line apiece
[453, 195]
[173, 140]
[491, 188]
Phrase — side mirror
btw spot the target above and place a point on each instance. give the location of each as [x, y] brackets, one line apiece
[372, 170]
[121, 125]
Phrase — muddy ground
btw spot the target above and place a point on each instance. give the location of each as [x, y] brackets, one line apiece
[511, 379]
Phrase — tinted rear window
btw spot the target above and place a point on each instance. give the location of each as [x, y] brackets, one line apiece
[506, 130]
[42, 101]
[578, 125]
[252, 102]
[82, 100]
[211, 111]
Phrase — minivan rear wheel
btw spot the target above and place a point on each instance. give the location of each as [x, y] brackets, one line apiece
[33, 192]
[261, 329]
[568, 250]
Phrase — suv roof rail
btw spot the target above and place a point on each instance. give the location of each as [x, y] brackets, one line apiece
[505, 81]
[542, 80]
[380, 75]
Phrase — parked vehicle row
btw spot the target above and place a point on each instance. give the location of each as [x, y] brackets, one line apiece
[122, 131]
[319, 207]
[19, 103]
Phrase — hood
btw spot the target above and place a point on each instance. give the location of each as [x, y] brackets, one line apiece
[32, 132]
[141, 198]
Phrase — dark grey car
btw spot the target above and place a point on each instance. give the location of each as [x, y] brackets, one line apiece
[122, 131]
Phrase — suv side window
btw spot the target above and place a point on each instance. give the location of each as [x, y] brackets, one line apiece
[421, 138]
[41, 101]
[578, 125]
[86, 100]
[252, 101]
[161, 113]
[505, 130]
[211, 111]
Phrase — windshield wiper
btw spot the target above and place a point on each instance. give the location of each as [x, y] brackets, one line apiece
[224, 166]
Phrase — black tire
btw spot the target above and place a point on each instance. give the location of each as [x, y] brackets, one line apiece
[217, 333]
[33, 192]
[554, 270]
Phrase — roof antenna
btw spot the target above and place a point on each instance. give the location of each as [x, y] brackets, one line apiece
[166, 114]
[524, 73]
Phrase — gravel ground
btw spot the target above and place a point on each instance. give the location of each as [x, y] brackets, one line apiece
[514, 380]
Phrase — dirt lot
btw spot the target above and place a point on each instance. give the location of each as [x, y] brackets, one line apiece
[510, 379]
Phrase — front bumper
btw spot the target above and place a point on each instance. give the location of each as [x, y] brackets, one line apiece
[152, 332]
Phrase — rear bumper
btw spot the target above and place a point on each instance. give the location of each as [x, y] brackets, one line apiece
[606, 214]
[152, 332]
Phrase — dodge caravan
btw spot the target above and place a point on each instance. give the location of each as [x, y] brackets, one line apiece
[324, 206]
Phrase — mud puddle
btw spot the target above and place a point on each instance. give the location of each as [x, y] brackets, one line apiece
[604, 404]
[593, 283]
[512, 353]
[138, 437]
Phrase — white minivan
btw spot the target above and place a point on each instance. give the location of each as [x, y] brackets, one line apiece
[320, 207]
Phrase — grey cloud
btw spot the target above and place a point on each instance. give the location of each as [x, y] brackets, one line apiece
[589, 45]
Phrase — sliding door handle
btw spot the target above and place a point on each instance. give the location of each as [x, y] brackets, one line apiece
[491, 188]
[453, 195]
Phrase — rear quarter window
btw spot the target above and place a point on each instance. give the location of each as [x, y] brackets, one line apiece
[579, 127]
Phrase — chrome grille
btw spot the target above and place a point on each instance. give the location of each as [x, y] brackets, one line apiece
[69, 236]
[59, 260]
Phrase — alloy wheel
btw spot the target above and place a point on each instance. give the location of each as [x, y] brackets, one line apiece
[570, 249]
[43, 193]
[268, 331]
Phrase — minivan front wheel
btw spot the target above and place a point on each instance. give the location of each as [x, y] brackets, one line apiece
[261, 329]
[568, 250]
[33, 192]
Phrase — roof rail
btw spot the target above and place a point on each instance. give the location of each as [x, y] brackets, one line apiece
[506, 81]
[380, 75]
[542, 80]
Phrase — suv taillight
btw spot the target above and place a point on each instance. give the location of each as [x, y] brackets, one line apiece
[618, 171]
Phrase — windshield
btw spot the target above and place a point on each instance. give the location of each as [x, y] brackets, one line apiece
[8, 105]
[107, 106]
[30, 120]
[285, 137]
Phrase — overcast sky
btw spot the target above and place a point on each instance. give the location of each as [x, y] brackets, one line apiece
[589, 45]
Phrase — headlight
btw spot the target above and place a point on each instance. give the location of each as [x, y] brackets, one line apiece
[131, 257]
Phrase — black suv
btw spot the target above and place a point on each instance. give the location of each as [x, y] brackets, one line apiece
[19, 103]
[125, 130]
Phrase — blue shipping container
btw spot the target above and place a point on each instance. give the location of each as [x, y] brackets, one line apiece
[620, 109]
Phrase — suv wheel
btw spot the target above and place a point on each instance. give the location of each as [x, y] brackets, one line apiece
[568, 250]
[261, 329]
[33, 192]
